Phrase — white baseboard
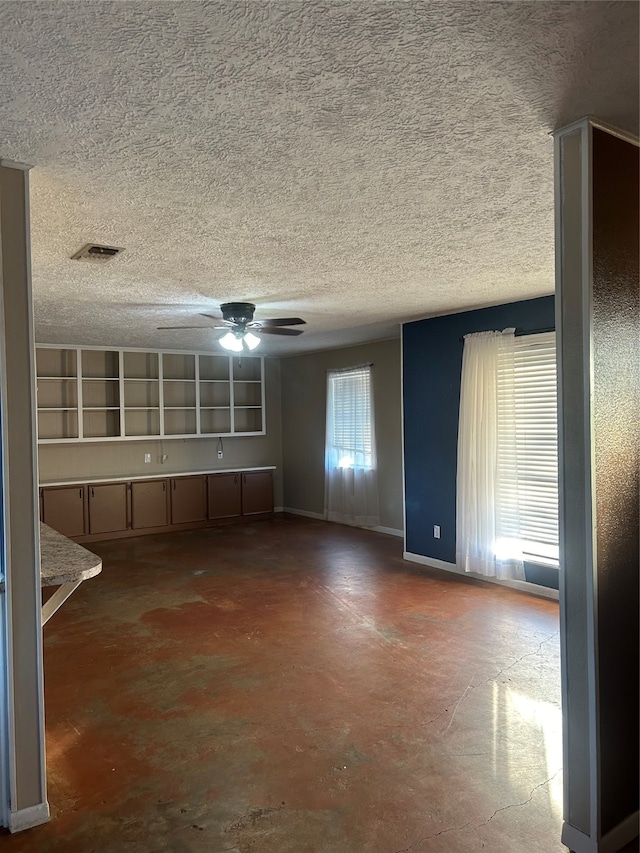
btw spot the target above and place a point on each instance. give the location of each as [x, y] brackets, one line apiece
[320, 516]
[305, 513]
[26, 818]
[624, 833]
[278, 509]
[523, 586]
[391, 531]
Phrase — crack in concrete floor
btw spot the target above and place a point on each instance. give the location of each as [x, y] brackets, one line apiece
[471, 687]
[484, 822]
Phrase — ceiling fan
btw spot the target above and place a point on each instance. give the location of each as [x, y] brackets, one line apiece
[240, 326]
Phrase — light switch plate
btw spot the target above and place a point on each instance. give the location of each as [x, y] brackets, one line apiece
[436, 531]
[147, 457]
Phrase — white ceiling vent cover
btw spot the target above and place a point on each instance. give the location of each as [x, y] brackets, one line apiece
[96, 252]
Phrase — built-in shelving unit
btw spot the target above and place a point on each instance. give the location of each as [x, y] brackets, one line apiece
[58, 405]
[100, 394]
[214, 388]
[180, 392]
[141, 381]
[246, 389]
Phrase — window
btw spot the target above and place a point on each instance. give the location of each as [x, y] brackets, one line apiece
[535, 463]
[349, 418]
[507, 479]
[351, 480]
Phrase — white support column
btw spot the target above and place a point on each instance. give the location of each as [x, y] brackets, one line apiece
[23, 801]
[598, 333]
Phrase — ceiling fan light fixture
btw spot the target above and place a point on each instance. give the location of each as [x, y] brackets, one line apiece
[231, 342]
[251, 340]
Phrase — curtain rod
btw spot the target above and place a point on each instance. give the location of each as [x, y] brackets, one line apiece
[519, 332]
[347, 369]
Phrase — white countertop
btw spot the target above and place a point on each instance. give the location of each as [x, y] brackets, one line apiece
[64, 561]
[126, 478]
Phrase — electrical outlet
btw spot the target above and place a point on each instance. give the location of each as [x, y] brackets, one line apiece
[220, 454]
[147, 457]
[436, 531]
[164, 458]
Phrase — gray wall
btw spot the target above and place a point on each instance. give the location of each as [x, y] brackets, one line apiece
[304, 384]
[21, 686]
[126, 458]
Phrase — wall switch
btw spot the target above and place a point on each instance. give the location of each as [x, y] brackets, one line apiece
[436, 531]
[147, 457]
[220, 454]
[164, 458]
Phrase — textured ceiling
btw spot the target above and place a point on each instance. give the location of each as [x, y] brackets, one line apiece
[353, 163]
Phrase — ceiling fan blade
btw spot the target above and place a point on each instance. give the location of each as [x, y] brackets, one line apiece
[276, 331]
[186, 327]
[282, 321]
[212, 317]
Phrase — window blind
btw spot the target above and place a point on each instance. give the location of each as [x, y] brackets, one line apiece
[350, 431]
[532, 473]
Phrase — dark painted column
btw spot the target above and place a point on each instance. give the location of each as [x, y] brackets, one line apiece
[598, 325]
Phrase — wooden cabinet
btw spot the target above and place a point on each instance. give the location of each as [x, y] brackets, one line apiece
[244, 493]
[111, 510]
[224, 495]
[149, 504]
[108, 508]
[257, 492]
[188, 499]
[64, 509]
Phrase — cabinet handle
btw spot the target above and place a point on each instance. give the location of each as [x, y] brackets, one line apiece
[80, 492]
[174, 485]
[244, 479]
[164, 486]
[235, 480]
[93, 494]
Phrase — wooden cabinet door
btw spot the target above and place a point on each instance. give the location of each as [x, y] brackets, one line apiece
[188, 499]
[257, 492]
[63, 509]
[224, 495]
[149, 504]
[107, 508]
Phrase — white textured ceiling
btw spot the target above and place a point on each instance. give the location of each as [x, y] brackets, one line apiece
[353, 163]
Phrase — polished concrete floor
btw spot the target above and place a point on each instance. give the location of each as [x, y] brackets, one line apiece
[294, 686]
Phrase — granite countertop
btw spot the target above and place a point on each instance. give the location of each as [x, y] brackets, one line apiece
[127, 478]
[63, 561]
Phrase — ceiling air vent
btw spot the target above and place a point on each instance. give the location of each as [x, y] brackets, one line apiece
[95, 252]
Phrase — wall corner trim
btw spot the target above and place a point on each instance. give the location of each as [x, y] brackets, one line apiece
[390, 531]
[520, 586]
[31, 816]
[618, 837]
[305, 513]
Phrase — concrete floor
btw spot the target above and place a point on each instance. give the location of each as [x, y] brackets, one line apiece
[294, 686]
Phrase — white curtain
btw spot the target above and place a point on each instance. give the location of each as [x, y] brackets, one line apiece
[351, 478]
[487, 505]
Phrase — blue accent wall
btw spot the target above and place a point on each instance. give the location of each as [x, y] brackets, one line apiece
[431, 365]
